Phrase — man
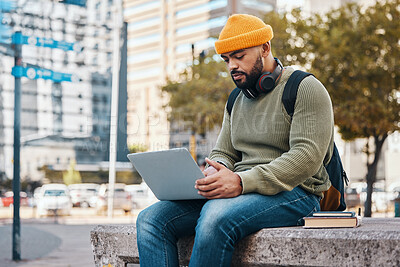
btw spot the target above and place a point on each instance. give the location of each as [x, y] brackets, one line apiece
[266, 169]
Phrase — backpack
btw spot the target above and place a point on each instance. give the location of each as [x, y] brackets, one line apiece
[334, 197]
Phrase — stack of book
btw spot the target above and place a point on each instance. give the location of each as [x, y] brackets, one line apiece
[332, 219]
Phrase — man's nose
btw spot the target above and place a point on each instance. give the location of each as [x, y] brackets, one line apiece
[232, 65]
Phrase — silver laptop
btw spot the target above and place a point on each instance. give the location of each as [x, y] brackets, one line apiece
[170, 174]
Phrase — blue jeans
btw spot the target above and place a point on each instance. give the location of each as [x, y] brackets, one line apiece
[217, 225]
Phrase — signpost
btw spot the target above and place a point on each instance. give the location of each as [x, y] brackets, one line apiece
[32, 73]
[39, 73]
[16, 241]
[18, 38]
[74, 2]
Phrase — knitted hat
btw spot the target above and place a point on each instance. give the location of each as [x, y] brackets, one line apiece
[243, 31]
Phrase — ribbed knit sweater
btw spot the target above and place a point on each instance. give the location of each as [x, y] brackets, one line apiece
[273, 152]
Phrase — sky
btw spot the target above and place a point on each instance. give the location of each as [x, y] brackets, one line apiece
[289, 4]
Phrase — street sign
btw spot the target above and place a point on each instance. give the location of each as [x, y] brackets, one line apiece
[18, 38]
[7, 5]
[74, 2]
[6, 49]
[38, 73]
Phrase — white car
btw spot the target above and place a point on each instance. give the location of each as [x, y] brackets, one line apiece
[141, 195]
[122, 199]
[54, 199]
[82, 194]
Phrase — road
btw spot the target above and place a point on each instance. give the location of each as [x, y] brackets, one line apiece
[55, 242]
[48, 245]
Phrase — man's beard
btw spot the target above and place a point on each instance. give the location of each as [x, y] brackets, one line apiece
[252, 77]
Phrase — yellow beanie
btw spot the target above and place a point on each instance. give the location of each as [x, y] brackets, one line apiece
[243, 31]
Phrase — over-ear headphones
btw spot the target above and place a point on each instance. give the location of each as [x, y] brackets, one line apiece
[266, 83]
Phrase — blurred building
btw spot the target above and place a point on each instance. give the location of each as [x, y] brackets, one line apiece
[316, 6]
[61, 121]
[163, 37]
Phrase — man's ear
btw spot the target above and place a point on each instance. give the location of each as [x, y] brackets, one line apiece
[266, 49]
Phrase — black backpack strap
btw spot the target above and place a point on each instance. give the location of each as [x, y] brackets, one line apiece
[290, 92]
[231, 100]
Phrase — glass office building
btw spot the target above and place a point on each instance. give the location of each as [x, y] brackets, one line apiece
[160, 38]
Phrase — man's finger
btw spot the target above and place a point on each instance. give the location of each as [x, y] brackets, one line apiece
[207, 180]
[209, 171]
[209, 194]
[216, 165]
[206, 187]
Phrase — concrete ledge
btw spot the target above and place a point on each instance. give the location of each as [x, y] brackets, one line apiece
[375, 243]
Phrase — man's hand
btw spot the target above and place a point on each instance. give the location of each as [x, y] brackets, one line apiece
[220, 182]
[209, 171]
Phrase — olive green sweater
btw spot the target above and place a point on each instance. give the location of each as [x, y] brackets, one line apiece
[272, 152]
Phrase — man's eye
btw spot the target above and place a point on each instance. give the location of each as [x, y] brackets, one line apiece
[240, 57]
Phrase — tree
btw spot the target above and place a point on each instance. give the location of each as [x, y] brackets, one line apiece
[288, 42]
[197, 100]
[355, 55]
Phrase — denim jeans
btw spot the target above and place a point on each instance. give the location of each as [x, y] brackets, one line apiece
[217, 225]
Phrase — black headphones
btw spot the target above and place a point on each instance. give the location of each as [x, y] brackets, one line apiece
[266, 83]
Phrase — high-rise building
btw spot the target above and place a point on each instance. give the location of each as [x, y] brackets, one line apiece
[316, 6]
[163, 36]
[70, 120]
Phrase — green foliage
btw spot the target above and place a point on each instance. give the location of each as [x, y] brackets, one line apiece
[72, 176]
[135, 148]
[354, 53]
[356, 57]
[198, 99]
[98, 177]
[290, 35]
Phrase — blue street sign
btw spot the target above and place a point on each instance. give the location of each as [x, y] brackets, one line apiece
[18, 38]
[7, 5]
[38, 73]
[5, 30]
[74, 2]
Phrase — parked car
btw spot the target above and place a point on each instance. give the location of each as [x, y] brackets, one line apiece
[82, 194]
[141, 195]
[380, 198]
[122, 198]
[54, 199]
[352, 197]
[394, 189]
[8, 199]
[36, 196]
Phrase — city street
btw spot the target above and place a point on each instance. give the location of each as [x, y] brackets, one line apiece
[48, 244]
[62, 241]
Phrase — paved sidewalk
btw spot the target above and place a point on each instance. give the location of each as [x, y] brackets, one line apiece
[54, 242]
